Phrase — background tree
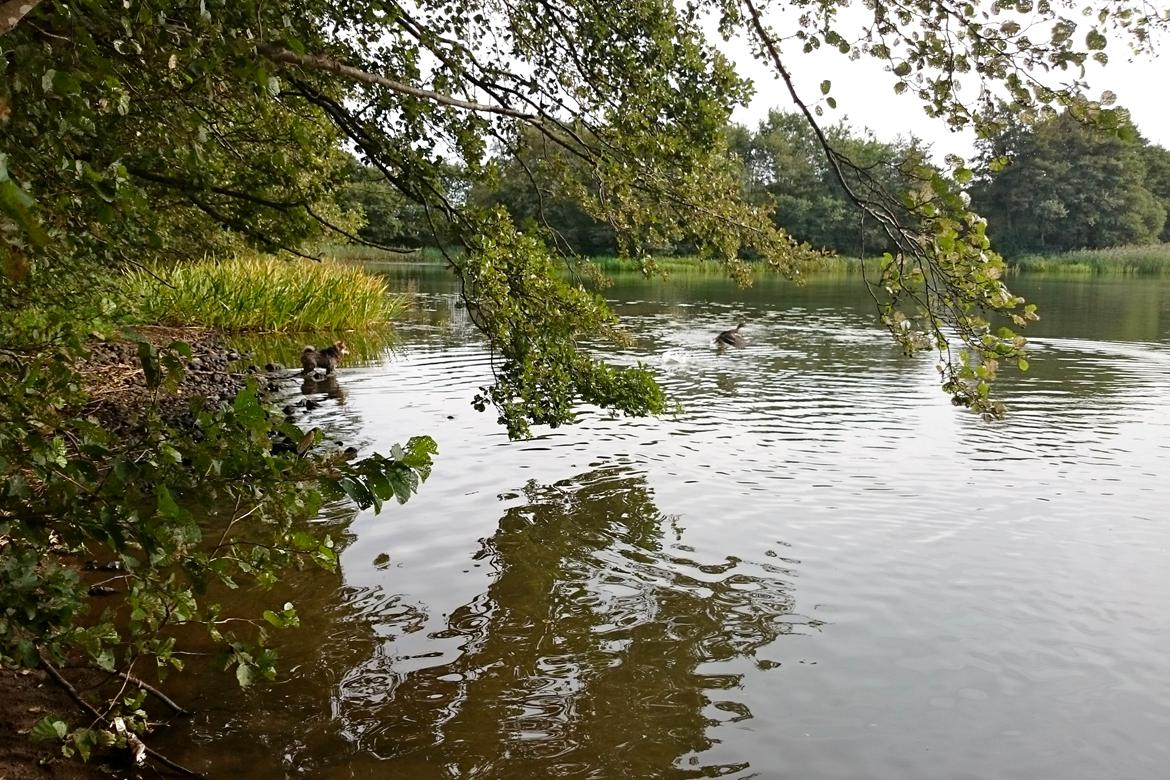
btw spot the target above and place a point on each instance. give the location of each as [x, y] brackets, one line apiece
[1157, 160]
[1069, 185]
[539, 183]
[785, 162]
[389, 219]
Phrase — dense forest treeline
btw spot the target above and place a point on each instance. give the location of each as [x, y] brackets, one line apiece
[1058, 185]
[1065, 185]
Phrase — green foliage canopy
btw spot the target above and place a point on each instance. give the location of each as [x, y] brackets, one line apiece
[785, 163]
[1066, 184]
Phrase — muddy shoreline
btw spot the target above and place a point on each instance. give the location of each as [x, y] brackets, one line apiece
[116, 382]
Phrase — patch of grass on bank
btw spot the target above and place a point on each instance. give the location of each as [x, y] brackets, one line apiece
[692, 264]
[1149, 260]
[662, 264]
[356, 253]
[263, 294]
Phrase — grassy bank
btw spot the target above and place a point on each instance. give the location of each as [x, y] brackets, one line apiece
[1138, 260]
[355, 253]
[668, 264]
[1150, 260]
[263, 294]
[691, 264]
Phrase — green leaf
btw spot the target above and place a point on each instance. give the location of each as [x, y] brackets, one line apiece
[18, 486]
[166, 503]
[85, 740]
[105, 660]
[49, 728]
[182, 347]
[147, 356]
[16, 203]
[245, 674]
[307, 441]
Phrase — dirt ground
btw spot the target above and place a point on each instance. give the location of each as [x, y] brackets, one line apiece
[26, 696]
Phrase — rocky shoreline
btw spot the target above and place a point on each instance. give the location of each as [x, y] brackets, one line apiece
[116, 381]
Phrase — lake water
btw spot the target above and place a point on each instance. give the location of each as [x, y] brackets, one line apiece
[818, 568]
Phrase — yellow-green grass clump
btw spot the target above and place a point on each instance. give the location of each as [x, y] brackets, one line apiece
[263, 293]
[1149, 259]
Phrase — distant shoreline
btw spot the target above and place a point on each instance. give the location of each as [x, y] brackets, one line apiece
[1150, 260]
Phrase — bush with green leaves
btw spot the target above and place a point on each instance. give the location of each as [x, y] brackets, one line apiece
[79, 486]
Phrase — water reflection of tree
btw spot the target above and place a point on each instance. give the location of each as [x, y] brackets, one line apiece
[594, 652]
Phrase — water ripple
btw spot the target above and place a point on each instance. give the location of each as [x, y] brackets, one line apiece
[817, 568]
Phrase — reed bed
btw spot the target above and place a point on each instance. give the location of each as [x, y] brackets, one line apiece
[263, 293]
[1148, 260]
[1137, 260]
[661, 264]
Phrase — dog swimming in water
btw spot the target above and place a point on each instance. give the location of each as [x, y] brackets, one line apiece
[327, 359]
[731, 338]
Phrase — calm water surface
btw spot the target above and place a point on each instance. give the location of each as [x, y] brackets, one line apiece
[818, 569]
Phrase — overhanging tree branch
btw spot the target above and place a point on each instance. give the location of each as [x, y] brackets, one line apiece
[187, 186]
[319, 62]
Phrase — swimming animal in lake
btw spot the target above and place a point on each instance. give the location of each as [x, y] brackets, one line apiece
[731, 338]
[328, 358]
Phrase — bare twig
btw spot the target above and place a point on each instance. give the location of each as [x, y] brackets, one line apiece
[155, 692]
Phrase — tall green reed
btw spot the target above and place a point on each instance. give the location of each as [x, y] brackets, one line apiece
[263, 293]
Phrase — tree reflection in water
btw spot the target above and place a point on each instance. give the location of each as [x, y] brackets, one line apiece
[595, 651]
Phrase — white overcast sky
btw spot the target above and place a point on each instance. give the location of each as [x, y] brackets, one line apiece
[865, 95]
